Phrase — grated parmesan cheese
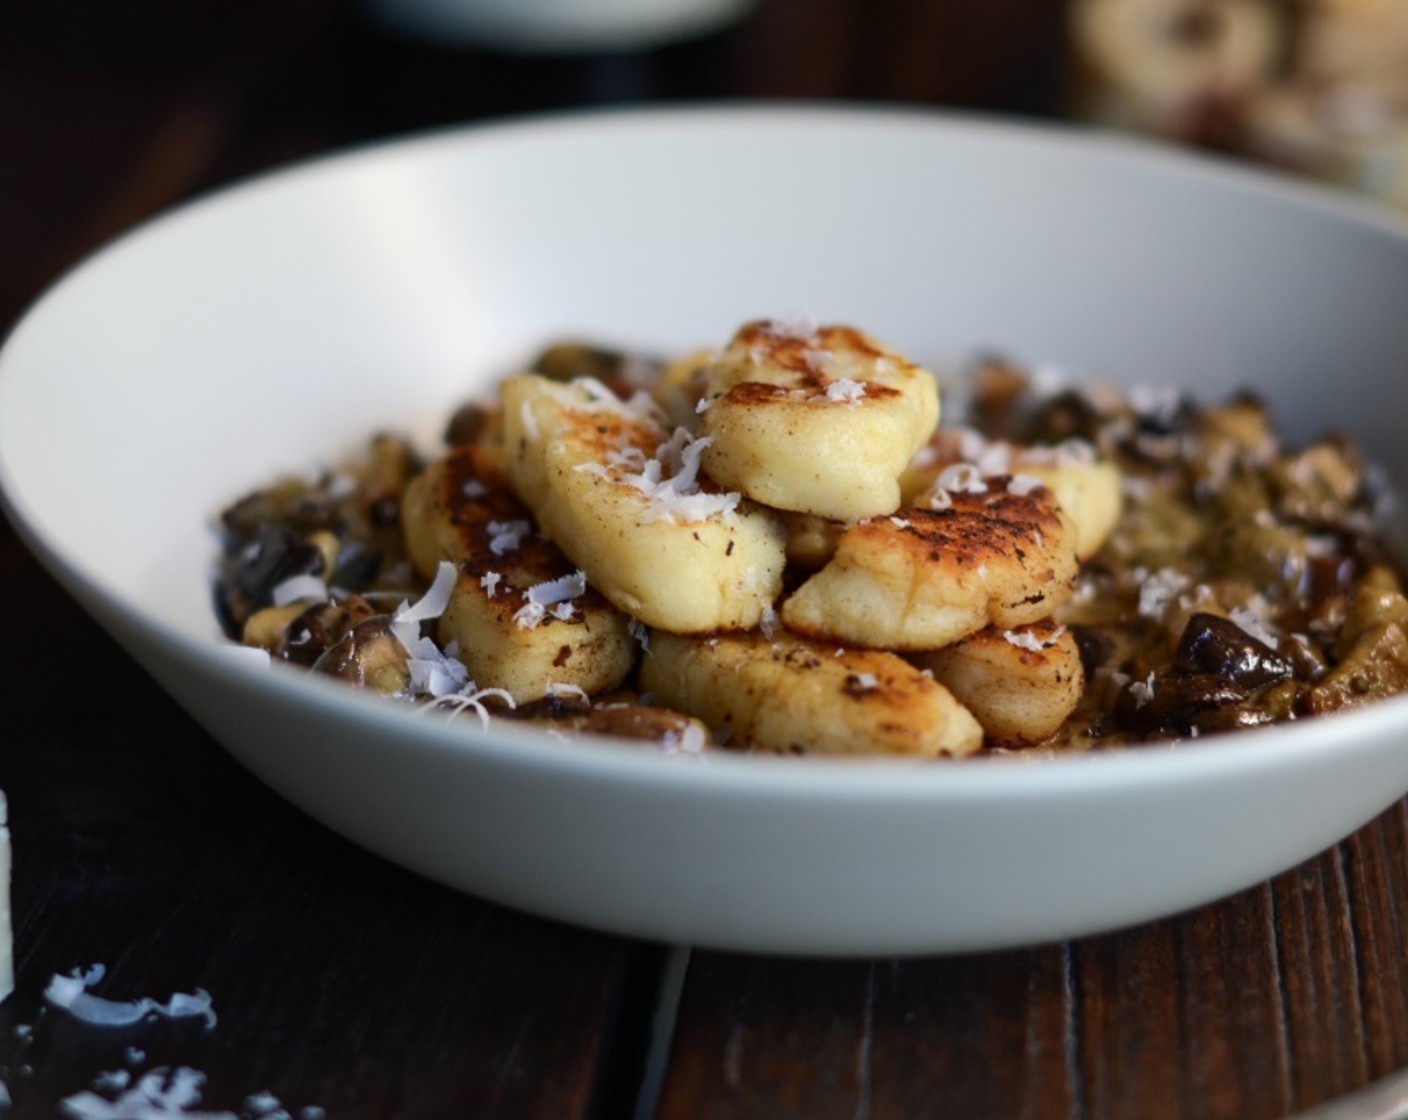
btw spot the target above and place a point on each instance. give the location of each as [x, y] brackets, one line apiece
[559, 590]
[844, 389]
[995, 459]
[692, 742]
[296, 588]
[432, 670]
[961, 478]
[436, 598]
[1142, 691]
[1159, 589]
[1255, 619]
[551, 596]
[340, 485]
[670, 479]
[263, 1103]
[939, 499]
[1073, 452]
[1026, 639]
[506, 536]
[801, 325]
[470, 697]
[530, 423]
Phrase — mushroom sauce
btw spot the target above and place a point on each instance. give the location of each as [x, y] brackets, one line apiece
[1243, 583]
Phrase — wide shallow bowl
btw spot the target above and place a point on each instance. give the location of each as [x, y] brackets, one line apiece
[277, 324]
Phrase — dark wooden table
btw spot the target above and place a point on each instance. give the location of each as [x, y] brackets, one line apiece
[345, 985]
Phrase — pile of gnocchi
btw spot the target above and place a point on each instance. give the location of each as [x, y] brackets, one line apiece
[771, 546]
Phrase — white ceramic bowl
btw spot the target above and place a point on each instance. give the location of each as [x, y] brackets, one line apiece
[277, 324]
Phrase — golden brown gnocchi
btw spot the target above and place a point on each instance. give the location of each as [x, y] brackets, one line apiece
[774, 546]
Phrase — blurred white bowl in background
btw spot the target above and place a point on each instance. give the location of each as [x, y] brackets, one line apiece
[557, 26]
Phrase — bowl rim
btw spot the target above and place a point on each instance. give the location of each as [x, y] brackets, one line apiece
[530, 125]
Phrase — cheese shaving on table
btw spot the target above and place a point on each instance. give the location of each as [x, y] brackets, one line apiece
[7, 952]
[262, 1103]
[70, 993]
[159, 1093]
[112, 1080]
[164, 1092]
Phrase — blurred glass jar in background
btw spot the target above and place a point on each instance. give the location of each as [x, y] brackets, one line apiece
[1317, 87]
